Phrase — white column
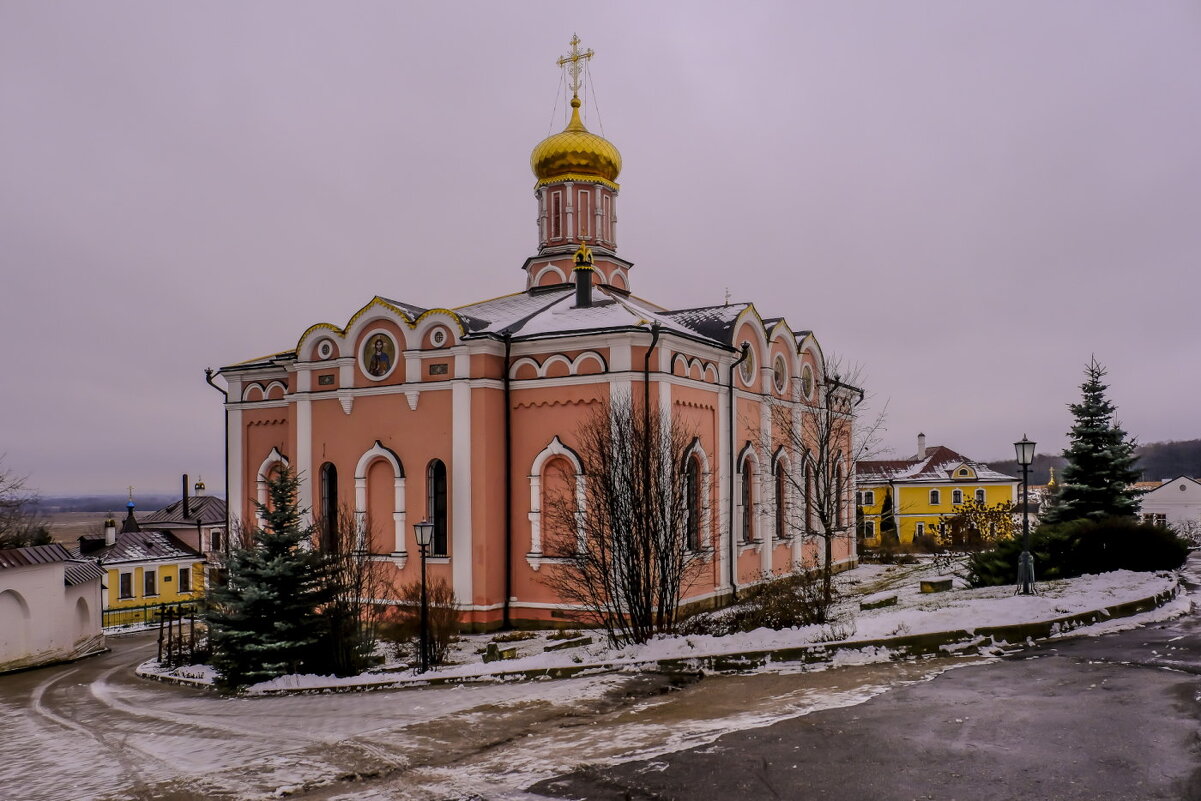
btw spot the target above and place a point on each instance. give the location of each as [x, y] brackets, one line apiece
[462, 557]
[238, 492]
[303, 463]
[723, 484]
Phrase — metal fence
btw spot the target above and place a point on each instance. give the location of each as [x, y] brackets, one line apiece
[140, 617]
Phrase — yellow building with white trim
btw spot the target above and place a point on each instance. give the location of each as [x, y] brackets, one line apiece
[916, 494]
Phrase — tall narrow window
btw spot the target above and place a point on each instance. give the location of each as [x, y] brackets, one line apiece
[692, 485]
[781, 502]
[607, 220]
[436, 506]
[556, 219]
[582, 225]
[149, 587]
[329, 508]
[935, 498]
[185, 578]
[956, 496]
[748, 529]
[980, 496]
[808, 497]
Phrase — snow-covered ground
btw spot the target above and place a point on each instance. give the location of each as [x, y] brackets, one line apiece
[915, 612]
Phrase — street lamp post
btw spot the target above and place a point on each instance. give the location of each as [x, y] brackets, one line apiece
[1025, 454]
[425, 532]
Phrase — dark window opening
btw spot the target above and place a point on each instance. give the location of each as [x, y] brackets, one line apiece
[692, 483]
[328, 524]
[436, 506]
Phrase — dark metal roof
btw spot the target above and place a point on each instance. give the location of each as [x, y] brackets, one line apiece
[33, 555]
[81, 571]
[205, 509]
[147, 545]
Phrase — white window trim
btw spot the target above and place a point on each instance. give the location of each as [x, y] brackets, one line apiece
[536, 558]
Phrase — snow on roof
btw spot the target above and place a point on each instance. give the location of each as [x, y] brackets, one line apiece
[935, 467]
[140, 546]
[204, 509]
[530, 315]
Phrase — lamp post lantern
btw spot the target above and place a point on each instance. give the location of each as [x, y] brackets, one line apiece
[1025, 454]
[425, 533]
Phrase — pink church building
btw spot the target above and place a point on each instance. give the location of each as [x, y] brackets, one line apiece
[461, 415]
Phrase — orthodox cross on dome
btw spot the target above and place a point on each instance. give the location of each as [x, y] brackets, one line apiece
[131, 493]
[575, 63]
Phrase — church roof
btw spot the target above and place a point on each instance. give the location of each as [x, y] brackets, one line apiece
[205, 509]
[552, 312]
[935, 467]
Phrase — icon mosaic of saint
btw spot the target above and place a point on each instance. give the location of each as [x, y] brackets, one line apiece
[378, 355]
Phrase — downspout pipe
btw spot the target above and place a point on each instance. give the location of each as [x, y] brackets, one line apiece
[646, 389]
[507, 620]
[208, 377]
[746, 351]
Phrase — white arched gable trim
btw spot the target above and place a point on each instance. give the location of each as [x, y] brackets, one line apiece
[282, 388]
[434, 319]
[556, 448]
[274, 458]
[376, 453]
[550, 268]
[250, 390]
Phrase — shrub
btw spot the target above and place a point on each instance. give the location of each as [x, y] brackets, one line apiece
[780, 603]
[405, 627]
[1064, 550]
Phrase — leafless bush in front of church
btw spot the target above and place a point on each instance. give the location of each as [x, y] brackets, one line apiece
[621, 533]
[357, 584]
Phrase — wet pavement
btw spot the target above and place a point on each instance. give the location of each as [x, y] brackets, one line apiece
[1093, 717]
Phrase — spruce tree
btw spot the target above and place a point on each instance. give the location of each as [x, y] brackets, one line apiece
[1098, 479]
[265, 621]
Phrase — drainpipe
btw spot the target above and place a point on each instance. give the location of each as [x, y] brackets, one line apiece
[746, 351]
[208, 377]
[506, 619]
[646, 393]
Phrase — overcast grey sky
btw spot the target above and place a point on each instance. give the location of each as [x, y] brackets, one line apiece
[968, 199]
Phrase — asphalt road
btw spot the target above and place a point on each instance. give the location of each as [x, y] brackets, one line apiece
[1110, 717]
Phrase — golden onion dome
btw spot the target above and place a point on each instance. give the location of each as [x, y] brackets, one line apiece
[576, 154]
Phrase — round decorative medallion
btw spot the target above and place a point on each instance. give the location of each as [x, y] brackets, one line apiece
[748, 367]
[807, 382]
[438, 337]
[378, 356]
[325, 349]
[779, 373]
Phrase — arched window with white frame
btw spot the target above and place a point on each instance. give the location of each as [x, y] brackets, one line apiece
[980, 496]
[436, 506]
[746, 496]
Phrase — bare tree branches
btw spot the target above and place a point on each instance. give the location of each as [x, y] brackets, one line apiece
[621, 529]
[20, 523]
[823, 441]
